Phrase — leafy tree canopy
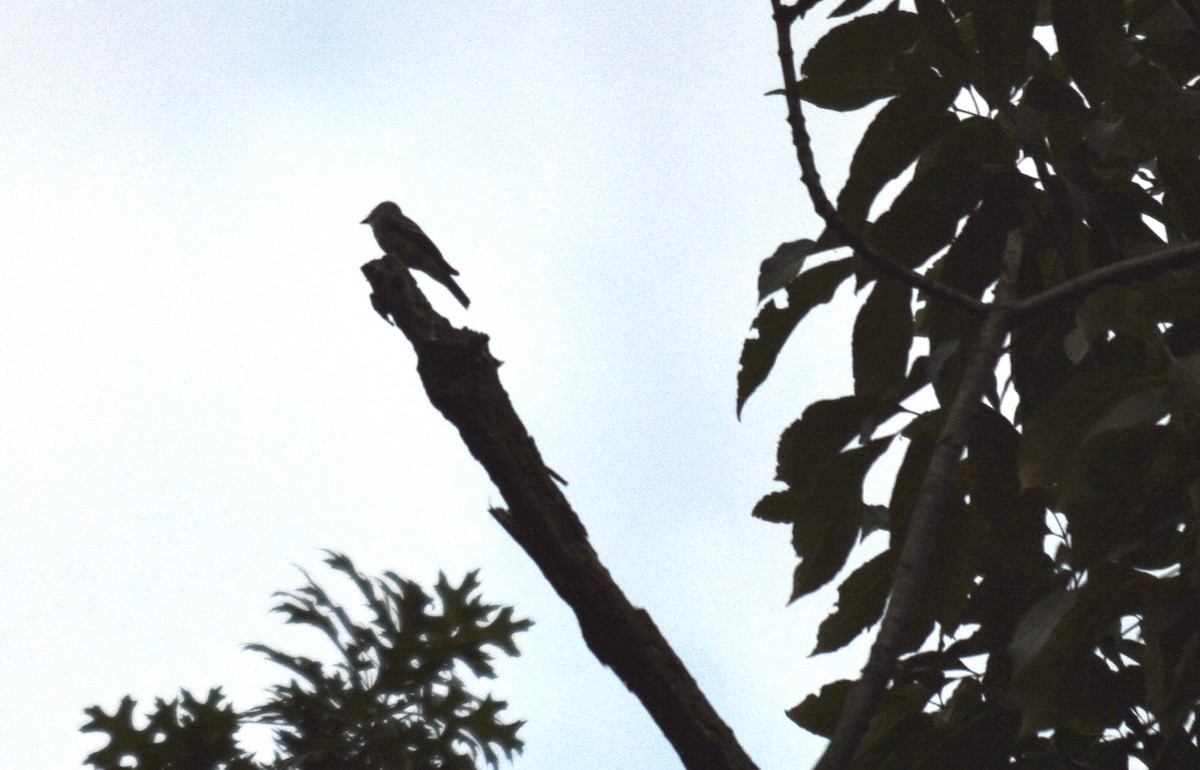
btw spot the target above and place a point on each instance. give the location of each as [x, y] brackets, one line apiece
[1052, 149]
[395, 698]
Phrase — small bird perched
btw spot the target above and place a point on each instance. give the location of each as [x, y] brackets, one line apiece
[399, 236]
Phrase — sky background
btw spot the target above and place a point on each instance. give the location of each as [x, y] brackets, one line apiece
[197, 397]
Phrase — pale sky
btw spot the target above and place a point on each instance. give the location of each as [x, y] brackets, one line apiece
[197, 397]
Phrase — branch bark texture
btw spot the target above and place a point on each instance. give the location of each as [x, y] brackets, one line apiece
[461, 379]
[867, 693]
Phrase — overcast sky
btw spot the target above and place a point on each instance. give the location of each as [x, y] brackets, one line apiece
[197, 397]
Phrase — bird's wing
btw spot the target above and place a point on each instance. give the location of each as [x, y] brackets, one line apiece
[413, 231]
[405, 229]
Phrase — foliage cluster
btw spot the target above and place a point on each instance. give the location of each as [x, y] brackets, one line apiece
[395, 698]
[1060, 620]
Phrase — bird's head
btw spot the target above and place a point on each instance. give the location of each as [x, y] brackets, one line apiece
[384, 210]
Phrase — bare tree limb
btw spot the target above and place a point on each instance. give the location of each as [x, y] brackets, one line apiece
[1134, 268]
[784, 16]
[865, 696]
[460, 377]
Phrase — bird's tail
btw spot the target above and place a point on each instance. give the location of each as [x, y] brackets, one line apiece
[455, 289]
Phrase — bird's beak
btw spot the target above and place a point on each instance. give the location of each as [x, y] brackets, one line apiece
[365, 221]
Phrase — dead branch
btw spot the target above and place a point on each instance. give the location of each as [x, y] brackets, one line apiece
[461, 379]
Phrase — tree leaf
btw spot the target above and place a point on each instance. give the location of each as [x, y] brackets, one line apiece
[823, 430]
[1125, 491]
[1004, 33]
[183, 733]
[1038, 625]
[893, 141]
[1167, 37]
[1180, 178]
[953, 566]
[867, 58]
[774, 325]
[1171, 663]
[1059, 681]
[861, 598]
[1162, 118]
[901, 726]
[778, 507]
[778, 270]
[883, 333]
[974, 260]
[947, 186]
[849, 90]
[924, 217]
[1170, 297]
[941, 39]
[1014, 519]
[922, 435]
[819, 713]
[1056, 430]
[971, 264]
[828, 523]
[1090, 38]
[848, 7]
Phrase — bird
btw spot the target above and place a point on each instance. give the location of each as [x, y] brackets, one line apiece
[401, 237]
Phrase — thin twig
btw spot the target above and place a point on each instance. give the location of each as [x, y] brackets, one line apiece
[863, 700]
[784, 16]
[1144, 266]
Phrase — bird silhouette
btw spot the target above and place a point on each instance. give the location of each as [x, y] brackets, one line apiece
[401, 237]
